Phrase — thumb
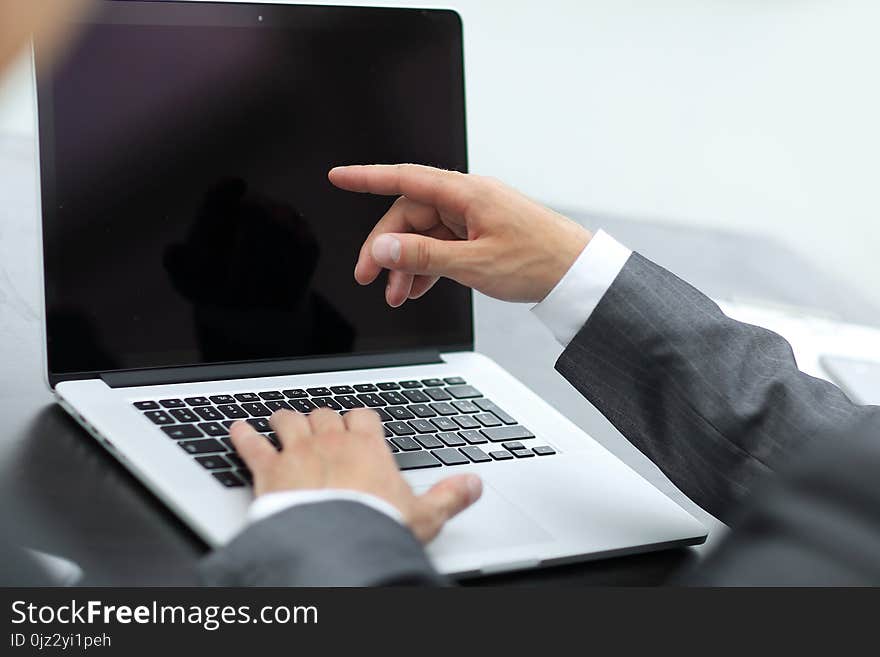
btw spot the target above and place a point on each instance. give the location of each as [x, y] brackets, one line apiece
[417, 254]
[442, 501]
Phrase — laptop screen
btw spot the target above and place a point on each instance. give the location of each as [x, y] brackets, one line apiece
[186, 209]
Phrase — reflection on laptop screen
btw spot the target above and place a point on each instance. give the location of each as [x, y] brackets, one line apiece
[187, 214]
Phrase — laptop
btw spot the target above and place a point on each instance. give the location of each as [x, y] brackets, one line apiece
[198, 270]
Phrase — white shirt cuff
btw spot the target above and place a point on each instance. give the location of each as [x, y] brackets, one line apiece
[569, 305]
[272, 503]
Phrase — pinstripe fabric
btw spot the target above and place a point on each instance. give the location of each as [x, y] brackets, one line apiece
[715, 403]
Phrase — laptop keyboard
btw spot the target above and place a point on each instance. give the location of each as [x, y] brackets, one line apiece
[430, 423]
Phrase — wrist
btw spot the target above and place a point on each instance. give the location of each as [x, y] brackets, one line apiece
[568, 247]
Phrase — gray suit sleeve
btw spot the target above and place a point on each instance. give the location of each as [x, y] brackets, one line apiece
[715, 403]
[337, 543]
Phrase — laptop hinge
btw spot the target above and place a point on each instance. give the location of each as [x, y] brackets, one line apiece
[197, 373]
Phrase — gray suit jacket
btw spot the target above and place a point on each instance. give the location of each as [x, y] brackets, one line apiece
[718, 405]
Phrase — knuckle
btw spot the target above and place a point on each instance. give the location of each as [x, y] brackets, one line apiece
[423, 254]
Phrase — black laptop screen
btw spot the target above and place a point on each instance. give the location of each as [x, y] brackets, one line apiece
[187, 214]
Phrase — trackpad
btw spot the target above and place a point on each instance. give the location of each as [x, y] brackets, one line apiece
[491, 523]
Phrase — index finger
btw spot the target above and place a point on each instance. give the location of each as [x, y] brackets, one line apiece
[437, 187]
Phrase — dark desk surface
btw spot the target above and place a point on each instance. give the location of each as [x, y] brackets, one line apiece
[70, 498]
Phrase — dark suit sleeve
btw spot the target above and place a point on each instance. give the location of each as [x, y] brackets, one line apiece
[337, 543]
[715, 403]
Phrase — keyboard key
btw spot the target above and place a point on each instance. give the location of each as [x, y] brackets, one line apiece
[422, 411]
[388, 385]
[228, 479]
[438, 394]
[416, 396]
[247, 397]
[273, 438]
[475, 454]
[409, 385]
[209, 413]
[406, 443]
[232, 411]
[473, 437]
[422, 426]
[399, 413]
[235, 460]
[146, 405]
[513, 445]
[523, 453]
[416, 460]
[256, 410]
[401, 428]
[442, 408]
[487, 419]
[429, 441]
[179, 431]
[245, 474]
[198, 401]
[454, 380]
[371, 399]
[466, 422]
[223, 399]
[365, 387]
[388, 432]
[349, 402]
[342, 390]
[444, 424]
[205, 446]
[432, 382]
[159, 417]
[327, 402]
[489, 405]
[228, 423]
[213, 429]
[451, 439]
[302, 405]
[278, 406]
[184, 415]
[172, 403]
[383, 416]
[501, 455]
[394, 449]
[319, 392]
[501, 434]
[227, 441]
[543, 450]
[261, 424]
[271, 395]
[393, 398]
[466, 407]
[213, 462]
[296, 393]
[463, 392]
[450, 456]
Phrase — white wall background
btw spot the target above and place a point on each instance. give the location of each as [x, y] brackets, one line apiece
[750, 115]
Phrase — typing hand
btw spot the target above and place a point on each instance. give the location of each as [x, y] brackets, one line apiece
[472, 229]
[327, 450]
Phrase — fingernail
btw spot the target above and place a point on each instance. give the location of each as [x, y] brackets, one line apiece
[475, 487]
[386, 249]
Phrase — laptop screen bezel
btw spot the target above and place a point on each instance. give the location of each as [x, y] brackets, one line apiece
[233, 13]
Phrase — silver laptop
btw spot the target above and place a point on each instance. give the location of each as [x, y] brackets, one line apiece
[198, 270]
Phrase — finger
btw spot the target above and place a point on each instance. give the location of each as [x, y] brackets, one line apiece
[420, 286]
[438, 187]
[255, 450]
[326, 421]
[290, 426]
[404, 216]
[417, 254]
[399, 288]
[445, 500]
[363, 420]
